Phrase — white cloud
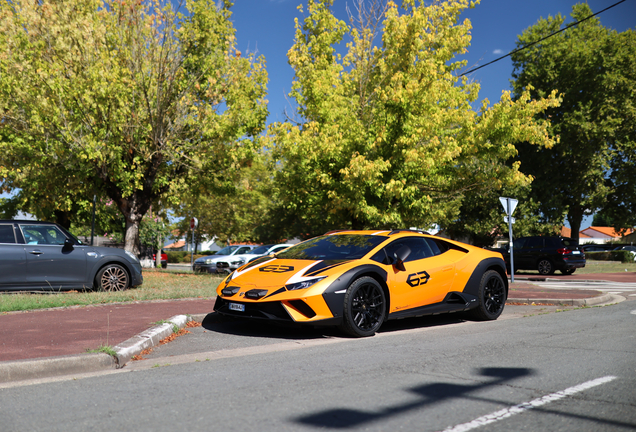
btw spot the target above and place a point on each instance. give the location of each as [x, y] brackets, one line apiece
[498, 51]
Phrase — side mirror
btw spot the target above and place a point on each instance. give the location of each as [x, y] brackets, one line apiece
[400, 255]
[68, 244]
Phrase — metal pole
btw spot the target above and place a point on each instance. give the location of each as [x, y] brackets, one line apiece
[512, 260]
[93, 221]
[192, 250]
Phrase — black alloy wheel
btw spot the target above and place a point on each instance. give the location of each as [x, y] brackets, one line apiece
[112, 277]
[545, 267]
[364, 308]
[492, 297]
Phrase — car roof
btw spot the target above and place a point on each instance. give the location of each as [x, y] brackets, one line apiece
[27, 221]
[384, 232]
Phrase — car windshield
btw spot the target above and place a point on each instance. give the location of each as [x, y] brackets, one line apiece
[261, 250]
[333, 247]
[227, 250]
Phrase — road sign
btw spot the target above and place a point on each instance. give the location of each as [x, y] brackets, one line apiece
[193, 223]
[509, 205]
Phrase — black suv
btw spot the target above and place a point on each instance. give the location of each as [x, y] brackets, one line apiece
[547, 254]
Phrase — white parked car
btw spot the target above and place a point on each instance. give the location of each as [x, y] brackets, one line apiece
[207, 264]
[632, 249]
[229, 264]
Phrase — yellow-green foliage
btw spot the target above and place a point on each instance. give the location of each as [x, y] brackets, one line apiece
[128, 98]
[385, 134]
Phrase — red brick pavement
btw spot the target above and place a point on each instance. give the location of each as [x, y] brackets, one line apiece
[66, 331]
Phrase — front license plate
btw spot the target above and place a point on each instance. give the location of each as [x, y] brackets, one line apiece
[237, 307]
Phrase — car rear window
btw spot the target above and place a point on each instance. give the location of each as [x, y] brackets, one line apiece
[333, 247]
[569, 242]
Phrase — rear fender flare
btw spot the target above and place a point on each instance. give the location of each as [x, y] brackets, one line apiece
[497, 264]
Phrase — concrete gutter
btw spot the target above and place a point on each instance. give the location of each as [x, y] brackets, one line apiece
[54, 366]
[21, 370]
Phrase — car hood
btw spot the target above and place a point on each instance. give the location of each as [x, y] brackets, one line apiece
[275, 272]
[213, 258]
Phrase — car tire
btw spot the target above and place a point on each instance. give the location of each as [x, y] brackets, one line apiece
[568, 272]
[364, 308]
[164, 265]
[545, 267]
[112, 277]
[491, 296]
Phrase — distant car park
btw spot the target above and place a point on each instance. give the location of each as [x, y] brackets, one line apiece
[236, 261]
[207, 264]
[44, 256]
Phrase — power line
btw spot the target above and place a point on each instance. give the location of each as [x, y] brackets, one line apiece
[542, 39]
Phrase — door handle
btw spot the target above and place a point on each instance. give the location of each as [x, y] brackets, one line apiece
[35, 252]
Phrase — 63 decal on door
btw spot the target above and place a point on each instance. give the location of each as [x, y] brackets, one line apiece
[417, 279]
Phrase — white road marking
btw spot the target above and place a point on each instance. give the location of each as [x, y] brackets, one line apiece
[518, 409]
[633, 312]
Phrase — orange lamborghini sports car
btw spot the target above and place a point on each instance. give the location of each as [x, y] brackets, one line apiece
[359, 279]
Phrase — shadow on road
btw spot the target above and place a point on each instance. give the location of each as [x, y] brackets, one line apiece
[269, 329]
[430, 394]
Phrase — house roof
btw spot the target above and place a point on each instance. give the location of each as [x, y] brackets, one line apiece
[604, 232]
[176, 245]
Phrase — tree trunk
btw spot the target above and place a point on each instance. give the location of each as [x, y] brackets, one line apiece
[575, 217]
[133, 208]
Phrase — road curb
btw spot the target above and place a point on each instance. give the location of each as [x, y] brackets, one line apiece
[592, 301]
[151, 337]
[47, 367]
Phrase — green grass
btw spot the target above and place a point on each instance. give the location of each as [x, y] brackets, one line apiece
[158, 285]
[607, 267]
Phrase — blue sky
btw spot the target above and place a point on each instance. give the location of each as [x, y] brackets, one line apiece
[267, 27]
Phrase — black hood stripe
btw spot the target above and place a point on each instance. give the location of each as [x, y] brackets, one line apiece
[324, 266]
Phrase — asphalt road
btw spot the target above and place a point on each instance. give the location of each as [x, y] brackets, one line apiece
[528, 371]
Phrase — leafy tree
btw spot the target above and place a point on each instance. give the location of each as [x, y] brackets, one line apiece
[594, 70]
[481, 217]
[129, 98]
[240, 214]
[602, 219]
[384, 134]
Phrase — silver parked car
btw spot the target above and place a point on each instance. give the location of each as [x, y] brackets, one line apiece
[44, 256]
[228, 265]
[207, 264]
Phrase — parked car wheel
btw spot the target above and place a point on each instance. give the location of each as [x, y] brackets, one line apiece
[492, 297]
[112, 277]
[545, 267]
[364, 307]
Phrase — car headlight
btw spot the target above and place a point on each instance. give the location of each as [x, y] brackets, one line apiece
[209, 261]
[304, 284]
[132, 256]
[238, 263]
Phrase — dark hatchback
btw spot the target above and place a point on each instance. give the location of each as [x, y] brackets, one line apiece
[44, 256]
[546, 254]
